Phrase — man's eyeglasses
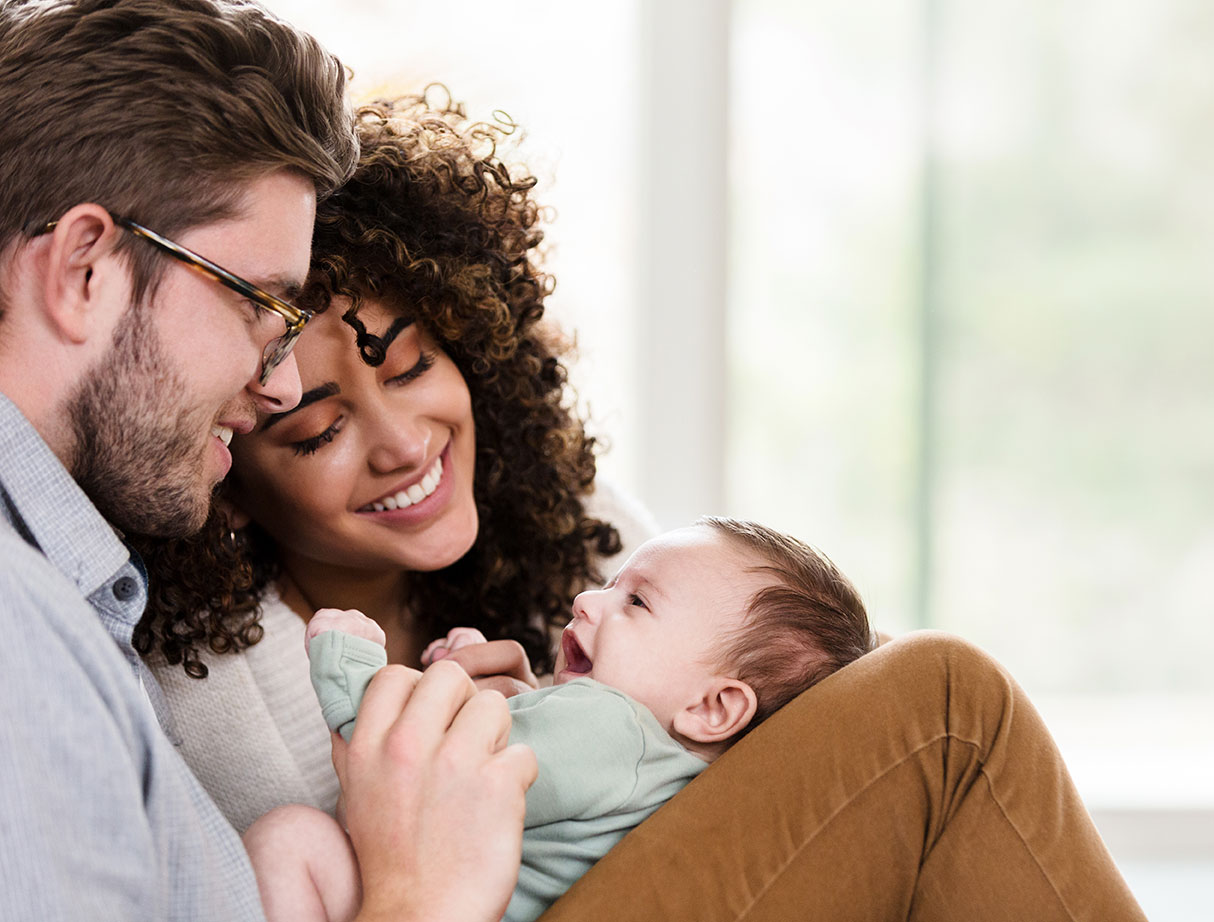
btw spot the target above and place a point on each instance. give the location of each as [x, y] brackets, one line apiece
[294, 317]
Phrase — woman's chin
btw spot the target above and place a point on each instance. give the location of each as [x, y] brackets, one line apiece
[437, 554]
[438, 544]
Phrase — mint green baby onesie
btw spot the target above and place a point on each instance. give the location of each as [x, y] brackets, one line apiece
[605, 764]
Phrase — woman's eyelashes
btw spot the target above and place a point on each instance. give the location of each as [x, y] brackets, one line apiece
[305, 447]
[308, 446]
[425, 361]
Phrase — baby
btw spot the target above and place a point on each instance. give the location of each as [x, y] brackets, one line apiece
[705, 632]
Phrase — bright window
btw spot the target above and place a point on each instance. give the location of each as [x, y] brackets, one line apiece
[972, 321]
[971, 328]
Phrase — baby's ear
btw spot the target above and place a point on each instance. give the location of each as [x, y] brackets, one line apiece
[724, 711]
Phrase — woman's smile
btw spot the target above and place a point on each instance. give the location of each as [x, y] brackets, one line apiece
[419, 498]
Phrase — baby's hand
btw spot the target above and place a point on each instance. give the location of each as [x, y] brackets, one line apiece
[352, 622]
[443, 647]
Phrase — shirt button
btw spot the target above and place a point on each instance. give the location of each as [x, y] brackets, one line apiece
[125, 588]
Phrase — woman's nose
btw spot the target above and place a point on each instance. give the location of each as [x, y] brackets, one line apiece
[399, 443]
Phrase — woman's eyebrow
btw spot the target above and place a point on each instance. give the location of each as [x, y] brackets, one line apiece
[373, 348]
[328, 389]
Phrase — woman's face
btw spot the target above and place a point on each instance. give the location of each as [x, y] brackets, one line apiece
[373, 470]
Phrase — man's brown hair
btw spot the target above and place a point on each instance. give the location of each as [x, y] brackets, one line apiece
[160, 111]
[807, 624]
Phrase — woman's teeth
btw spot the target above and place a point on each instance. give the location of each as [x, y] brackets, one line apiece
[223, 433]
[414, 494]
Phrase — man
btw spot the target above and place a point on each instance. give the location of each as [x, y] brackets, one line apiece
[161, 166]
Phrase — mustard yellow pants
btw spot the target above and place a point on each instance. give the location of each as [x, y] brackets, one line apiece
[918, 783]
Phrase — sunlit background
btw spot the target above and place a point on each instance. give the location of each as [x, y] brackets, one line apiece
[929, 284]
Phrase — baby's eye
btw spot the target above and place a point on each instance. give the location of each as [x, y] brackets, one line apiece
[306, 447]
[634, 599]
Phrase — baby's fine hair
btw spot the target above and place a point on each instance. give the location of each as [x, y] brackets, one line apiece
[808, 623]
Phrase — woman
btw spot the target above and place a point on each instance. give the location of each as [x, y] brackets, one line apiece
[433, 474]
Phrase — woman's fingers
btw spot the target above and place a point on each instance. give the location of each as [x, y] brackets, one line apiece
[435, 650]
[463, 636]
[456, 637]
[497, 657]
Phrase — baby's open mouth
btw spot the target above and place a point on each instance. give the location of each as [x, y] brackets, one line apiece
[576, 660]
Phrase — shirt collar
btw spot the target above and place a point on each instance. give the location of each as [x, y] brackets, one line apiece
[46, 506]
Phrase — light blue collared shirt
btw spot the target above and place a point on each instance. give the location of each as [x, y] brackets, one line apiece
[100, 819]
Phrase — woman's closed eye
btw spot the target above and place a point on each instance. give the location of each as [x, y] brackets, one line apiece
[309, 446]
[425, 361]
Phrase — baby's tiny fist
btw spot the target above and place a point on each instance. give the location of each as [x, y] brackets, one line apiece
[349, 621]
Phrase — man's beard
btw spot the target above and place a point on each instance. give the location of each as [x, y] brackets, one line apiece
[138, 457]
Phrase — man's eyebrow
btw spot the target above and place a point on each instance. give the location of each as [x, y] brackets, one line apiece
[328, 389]
[286, 289]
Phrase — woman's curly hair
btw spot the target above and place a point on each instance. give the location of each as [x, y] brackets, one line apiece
[434, 223]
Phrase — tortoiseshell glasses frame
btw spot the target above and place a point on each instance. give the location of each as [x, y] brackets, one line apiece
[296, 318]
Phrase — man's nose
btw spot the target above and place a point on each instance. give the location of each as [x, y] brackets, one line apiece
[282, 391]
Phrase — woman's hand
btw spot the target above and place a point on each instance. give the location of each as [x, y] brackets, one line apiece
[456, 637]
[500, 665]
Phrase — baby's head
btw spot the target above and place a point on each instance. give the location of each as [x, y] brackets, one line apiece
[714, 627]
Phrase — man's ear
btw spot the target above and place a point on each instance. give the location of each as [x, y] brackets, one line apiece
[726, 708]
[82, 288]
